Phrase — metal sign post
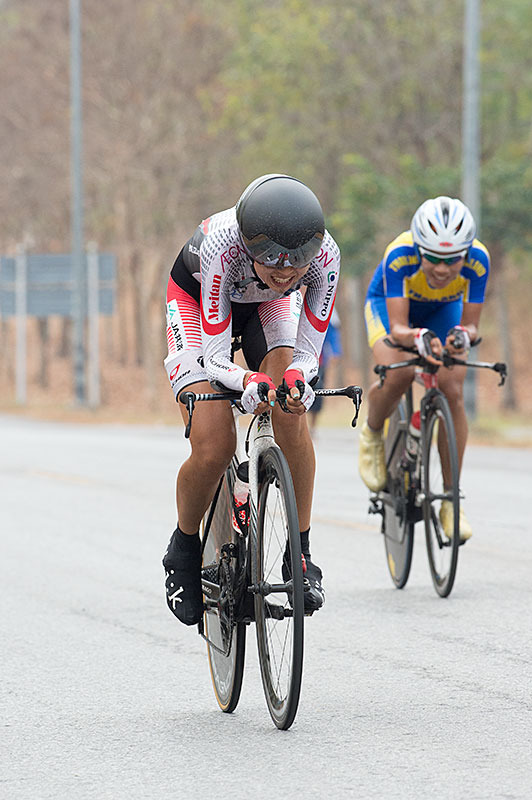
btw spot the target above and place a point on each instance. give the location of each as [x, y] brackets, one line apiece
[21, 313]
[77, 202]
[93, 311]
[471, 146]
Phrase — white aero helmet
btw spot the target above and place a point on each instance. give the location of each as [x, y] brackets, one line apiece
[444, 226]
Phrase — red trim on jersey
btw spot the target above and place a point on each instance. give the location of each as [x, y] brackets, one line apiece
[319, 324]
[209, 327]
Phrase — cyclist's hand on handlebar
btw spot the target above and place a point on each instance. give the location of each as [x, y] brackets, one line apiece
[259, 393]
[458, 341]
[299, 394]
[428, 345]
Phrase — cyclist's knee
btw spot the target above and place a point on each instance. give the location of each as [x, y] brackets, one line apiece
[290, 426]
[212, 449]
[454, 392]
[212, 459]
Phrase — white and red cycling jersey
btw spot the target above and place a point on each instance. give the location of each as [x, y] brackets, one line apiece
[214, 293]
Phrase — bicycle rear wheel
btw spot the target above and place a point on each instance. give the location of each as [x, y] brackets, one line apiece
[397, 528]
[439, 446]
[226, 639]
[278, 584]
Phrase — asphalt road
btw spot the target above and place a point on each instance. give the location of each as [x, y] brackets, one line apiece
[104, 695]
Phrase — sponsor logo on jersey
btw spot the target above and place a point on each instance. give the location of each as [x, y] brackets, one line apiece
[214, 297]
[328, 294]
[324, 256]
[174, 372]
[178, 339]
[237, 294]
[229, 255]
[402, 261]
[477, 267]
[319, 324]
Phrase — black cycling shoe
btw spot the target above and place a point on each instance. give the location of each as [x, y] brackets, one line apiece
[182, 564]
[313, 594]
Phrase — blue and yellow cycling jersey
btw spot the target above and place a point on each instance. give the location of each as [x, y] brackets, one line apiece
[400, 275]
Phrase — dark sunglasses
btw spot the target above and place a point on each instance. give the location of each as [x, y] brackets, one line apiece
[438, 259]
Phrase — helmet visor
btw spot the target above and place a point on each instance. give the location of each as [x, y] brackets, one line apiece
[270, 254]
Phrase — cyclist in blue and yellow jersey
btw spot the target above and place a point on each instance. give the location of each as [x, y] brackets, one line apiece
[427, 292]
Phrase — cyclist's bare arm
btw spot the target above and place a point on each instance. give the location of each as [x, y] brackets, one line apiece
[470, 321]
[400, 330]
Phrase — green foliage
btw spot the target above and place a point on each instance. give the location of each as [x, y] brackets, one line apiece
[355, 222]
[506, 211]
[373, 207]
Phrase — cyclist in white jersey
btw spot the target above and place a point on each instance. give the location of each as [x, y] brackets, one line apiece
[241, 274]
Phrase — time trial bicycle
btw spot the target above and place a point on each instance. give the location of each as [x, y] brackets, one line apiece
[252, 565]
[422, 471]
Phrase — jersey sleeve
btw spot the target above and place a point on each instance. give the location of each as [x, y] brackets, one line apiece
[398, 261]
[215, 311]
[322, 282]
[476, 272]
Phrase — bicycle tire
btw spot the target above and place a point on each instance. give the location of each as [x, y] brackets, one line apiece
[279, 616]
[439, 434]
[227, 671]
[397, 527]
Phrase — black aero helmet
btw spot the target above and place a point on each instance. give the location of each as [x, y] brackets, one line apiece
[280, 221]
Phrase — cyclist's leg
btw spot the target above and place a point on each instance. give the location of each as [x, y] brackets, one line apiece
[213, 441]
[268, 342]
[451, 382]
[441, 317]
[268, 339]
[382, 400]
[293, 437]
[212, 444]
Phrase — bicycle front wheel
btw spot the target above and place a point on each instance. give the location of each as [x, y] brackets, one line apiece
[441, 482]
[278, 587]
[397, 527]
[226, 638]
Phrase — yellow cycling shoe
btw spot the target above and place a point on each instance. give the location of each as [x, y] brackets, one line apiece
[371, 461]
[446, 519]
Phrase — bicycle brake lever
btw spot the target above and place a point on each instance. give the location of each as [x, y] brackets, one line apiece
[282, 392]
[380, 370]
[356, 403]
[501, 368]
[355, 393]
[189, 400]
